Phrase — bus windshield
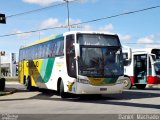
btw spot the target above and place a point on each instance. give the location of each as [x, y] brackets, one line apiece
[101, 60]
[157, 68]
[157, 53]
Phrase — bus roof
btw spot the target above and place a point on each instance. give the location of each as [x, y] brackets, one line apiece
[88, 32]
[54, 36]
[145, 50]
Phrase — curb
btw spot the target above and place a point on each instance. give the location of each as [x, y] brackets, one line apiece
[11, 82]
[153, 86]
[6, 92]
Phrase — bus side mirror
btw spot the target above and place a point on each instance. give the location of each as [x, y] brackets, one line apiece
[77, 49]
[153, 57]
[128, 53]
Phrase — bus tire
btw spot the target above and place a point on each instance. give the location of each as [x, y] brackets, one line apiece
[28, 84]
[127, 84]
[141, 86]
[62, 93]
[24, 80]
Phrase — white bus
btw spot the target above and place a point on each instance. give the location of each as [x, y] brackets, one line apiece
[142, 68]
[74, 62]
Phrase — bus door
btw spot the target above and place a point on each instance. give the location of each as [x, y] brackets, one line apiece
[151, 59]
[140, 68]
[70, 55]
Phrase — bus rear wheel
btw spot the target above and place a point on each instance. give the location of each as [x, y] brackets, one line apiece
[62, 93]
[140, 86]
[127, 84]
[28, 84]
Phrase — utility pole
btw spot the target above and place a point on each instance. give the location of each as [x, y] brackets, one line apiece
[0, 65]
[2, 53]
[2, 80]
[2, 21]
[68, 13]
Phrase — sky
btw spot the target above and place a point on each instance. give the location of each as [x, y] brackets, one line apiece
[136, 30]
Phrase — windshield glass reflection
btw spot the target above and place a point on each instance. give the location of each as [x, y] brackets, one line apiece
[101, 61]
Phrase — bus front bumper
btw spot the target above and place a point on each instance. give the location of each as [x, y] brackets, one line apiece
[90, 89]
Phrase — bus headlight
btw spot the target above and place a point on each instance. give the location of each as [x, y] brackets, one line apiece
[120, 81]
[83, 81]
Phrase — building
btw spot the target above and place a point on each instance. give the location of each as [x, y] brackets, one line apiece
[9, 65]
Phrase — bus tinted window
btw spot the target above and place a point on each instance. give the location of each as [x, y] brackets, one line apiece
[47, 49]
[157, 53]
[70, 55]
[59, 47]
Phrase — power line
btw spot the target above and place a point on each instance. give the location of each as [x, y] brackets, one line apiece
[141, 43]
[19, 33]
[31, 11]
[94, 20]
[40, 9]
[122, 14]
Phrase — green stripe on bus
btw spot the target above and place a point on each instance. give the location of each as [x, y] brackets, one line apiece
[48, 71]
[110, 80]
[43, 68]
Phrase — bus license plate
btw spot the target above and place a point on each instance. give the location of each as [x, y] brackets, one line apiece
[103, 89]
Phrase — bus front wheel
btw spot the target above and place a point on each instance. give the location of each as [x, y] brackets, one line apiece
[28, 84]
[127, 84]
[62, 93]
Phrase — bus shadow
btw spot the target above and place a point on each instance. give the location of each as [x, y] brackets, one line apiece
[111, 99]
[114, 99]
